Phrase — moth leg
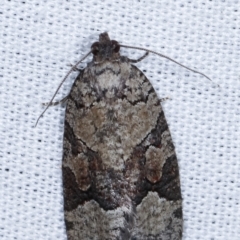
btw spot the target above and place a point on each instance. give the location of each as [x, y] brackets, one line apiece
[57, 102]
[139, 59]
[165, 99]
[74, 67]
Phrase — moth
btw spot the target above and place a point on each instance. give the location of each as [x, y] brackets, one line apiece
[120, 170]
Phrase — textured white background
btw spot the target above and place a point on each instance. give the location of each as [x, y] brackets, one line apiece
[37, 41]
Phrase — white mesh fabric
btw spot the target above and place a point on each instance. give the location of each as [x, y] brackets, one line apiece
[38, 40]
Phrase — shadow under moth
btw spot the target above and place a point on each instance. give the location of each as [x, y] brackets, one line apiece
[120, 171]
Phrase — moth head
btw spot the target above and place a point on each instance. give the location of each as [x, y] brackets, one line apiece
[105, 49]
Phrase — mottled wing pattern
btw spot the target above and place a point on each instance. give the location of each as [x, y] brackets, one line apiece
[120, 172]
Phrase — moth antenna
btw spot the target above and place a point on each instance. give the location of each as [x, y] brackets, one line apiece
[164, 56]
[54, 95]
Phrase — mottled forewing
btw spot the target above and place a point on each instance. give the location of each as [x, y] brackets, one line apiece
[120, 172]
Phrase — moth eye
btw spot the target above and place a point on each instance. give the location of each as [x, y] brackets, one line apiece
[115, 46]
[95, 48]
